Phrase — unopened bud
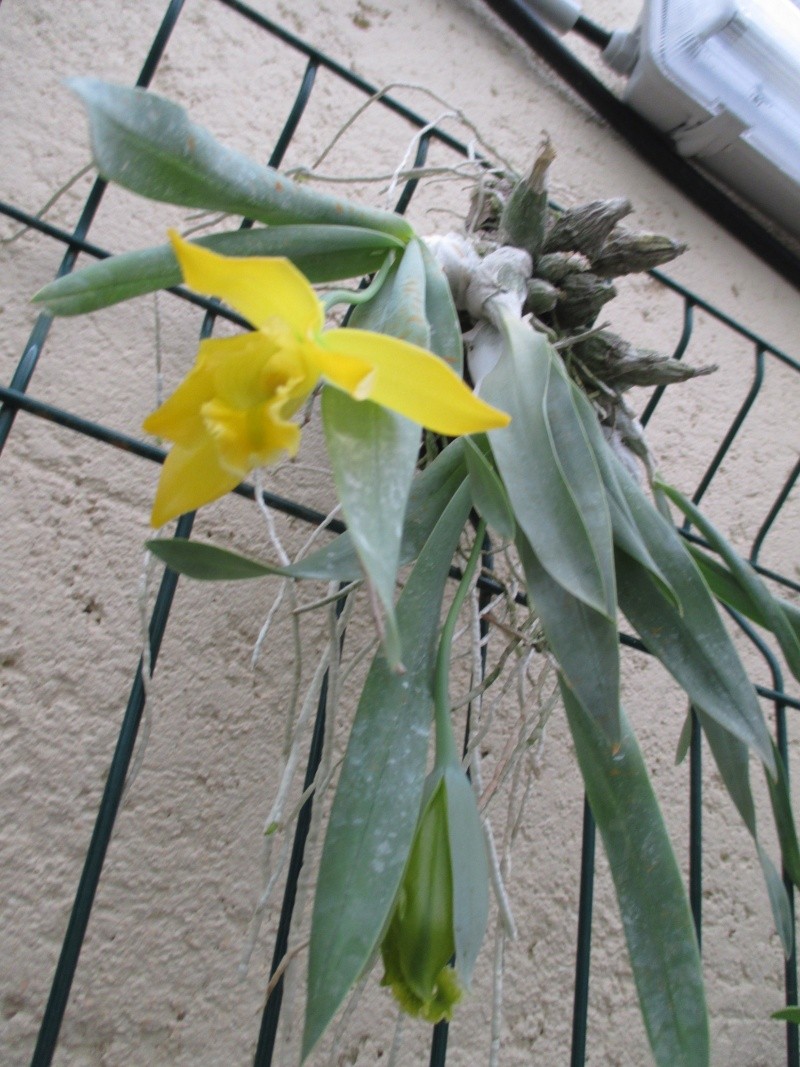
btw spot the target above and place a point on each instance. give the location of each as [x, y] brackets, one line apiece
[555, 266]
[542, 296]
[585, 228]
[581, 297]
[628, 253]
[442, 904]
[524, 219]
[620, 365]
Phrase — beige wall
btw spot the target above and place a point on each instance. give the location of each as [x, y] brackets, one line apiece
[158, 982]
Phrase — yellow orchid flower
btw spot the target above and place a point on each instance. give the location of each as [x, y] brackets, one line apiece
[231, 412]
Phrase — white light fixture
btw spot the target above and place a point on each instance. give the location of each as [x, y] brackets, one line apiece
[722, 78]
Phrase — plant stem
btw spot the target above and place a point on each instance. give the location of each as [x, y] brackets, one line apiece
[446, 751]
[360, 296]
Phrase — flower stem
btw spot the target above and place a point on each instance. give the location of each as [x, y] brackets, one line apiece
[446, 751]
[360, 296]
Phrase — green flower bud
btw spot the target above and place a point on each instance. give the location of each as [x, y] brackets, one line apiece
[440, 914]
[619, 364]
[628, 253]
[524, 219]
[556, 266]
[585, 228]
[582, 296]
[542, 296]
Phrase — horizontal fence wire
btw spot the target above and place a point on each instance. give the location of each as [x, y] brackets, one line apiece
[15, 398]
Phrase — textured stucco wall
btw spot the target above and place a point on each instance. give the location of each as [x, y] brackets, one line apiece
[157, 981]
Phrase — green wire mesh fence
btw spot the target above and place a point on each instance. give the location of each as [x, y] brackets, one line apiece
[19, 401]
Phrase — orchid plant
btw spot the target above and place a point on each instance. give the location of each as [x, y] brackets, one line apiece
[531, 437]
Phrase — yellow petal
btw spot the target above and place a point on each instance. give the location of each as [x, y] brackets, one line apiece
[259, 288]
[252, 368]
[351, 374]
[190, 478]
[178, 418]
[414, 383]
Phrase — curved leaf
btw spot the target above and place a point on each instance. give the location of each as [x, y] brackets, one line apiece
[322, 253]
[549, 470]
[754, 589]
[652, 901]
[732, 758]
[207, 562]
[149, 145]
[378, 796]
[726, 588]
[693, 645]
[623, 524]
[784, 820]
[584, 642]
[440, 311]
[373, 451]
[398, 307]
[488, 493]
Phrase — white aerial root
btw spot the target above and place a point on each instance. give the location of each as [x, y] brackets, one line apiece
[145, 672]
[498, 970]
[145, 578]
[49, 203]
[477, 138]
[274, 821]
[397, 1039]
[344, 1018]
[278, 819]
[516, 767]
[412, 145]
[337, 623]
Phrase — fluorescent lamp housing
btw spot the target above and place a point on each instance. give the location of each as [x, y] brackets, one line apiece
[722, 77]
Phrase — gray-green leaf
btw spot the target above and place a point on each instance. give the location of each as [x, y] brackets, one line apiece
[470, 871]
[751, 584]
[584, 641]
[431, 491]
[727, 589]
[373, 453]
[549, 470]
[625, 530]
[149, 145]
[693, 645]
[378, 797]
[440, 311]
[323, 253]
[652, 901]
[488, 493]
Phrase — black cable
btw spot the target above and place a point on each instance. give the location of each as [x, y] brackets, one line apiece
[592, 32]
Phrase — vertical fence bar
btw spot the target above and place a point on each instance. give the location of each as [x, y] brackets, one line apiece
[580, 1007]
[735, 426]
[272, 1009]
[696, 827]
[104, 825]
